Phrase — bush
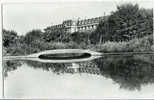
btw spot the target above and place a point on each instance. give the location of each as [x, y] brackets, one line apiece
[140, 45]
[114, 46]
[144, 44]
[152, 47]
[60, 45]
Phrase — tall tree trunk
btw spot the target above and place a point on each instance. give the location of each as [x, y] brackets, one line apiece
[100, 40]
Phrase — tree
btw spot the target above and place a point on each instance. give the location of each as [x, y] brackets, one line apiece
[122, 23]
[56, 35]
[80, 37]
[33, 41]
[9, 37]
[101, 34]
[145, 22]
[32, 36]
[127, 22]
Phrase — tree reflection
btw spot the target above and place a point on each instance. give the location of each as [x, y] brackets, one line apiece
[61, 68]
[10, 66]
[130, 72]
[57, 68]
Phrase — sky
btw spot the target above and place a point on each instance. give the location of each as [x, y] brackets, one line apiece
[23, 17]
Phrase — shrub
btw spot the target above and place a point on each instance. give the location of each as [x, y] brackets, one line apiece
[113, 47]
[140, 45]
[144, 44]
[152, 47]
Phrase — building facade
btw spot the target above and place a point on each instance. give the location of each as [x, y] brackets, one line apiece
[77, 25]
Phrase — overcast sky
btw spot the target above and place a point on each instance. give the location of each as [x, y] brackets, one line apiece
[25, 17]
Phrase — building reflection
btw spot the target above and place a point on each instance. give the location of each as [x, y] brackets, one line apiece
[83, 68]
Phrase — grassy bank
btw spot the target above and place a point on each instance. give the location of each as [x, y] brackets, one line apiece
[144, 44]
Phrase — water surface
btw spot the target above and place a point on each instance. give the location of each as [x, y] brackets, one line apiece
[122, 76]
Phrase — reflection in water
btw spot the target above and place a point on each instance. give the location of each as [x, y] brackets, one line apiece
[130, 72]
[10, 66]
[84, 67]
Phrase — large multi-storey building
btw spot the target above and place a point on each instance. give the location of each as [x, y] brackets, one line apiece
[77, 25]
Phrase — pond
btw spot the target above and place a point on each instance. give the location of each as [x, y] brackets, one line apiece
[110, 76]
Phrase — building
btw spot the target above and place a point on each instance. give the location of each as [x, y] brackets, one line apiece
[77, 25]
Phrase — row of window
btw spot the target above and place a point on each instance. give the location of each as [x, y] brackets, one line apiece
[95, 20]
[87, 27]
[88, 22]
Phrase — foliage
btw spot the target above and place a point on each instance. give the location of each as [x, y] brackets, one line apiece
[80, 37]
[33, 36]
[9, 38]
[136, 45]
[56, 35]
[101, 33]
[126, 23]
